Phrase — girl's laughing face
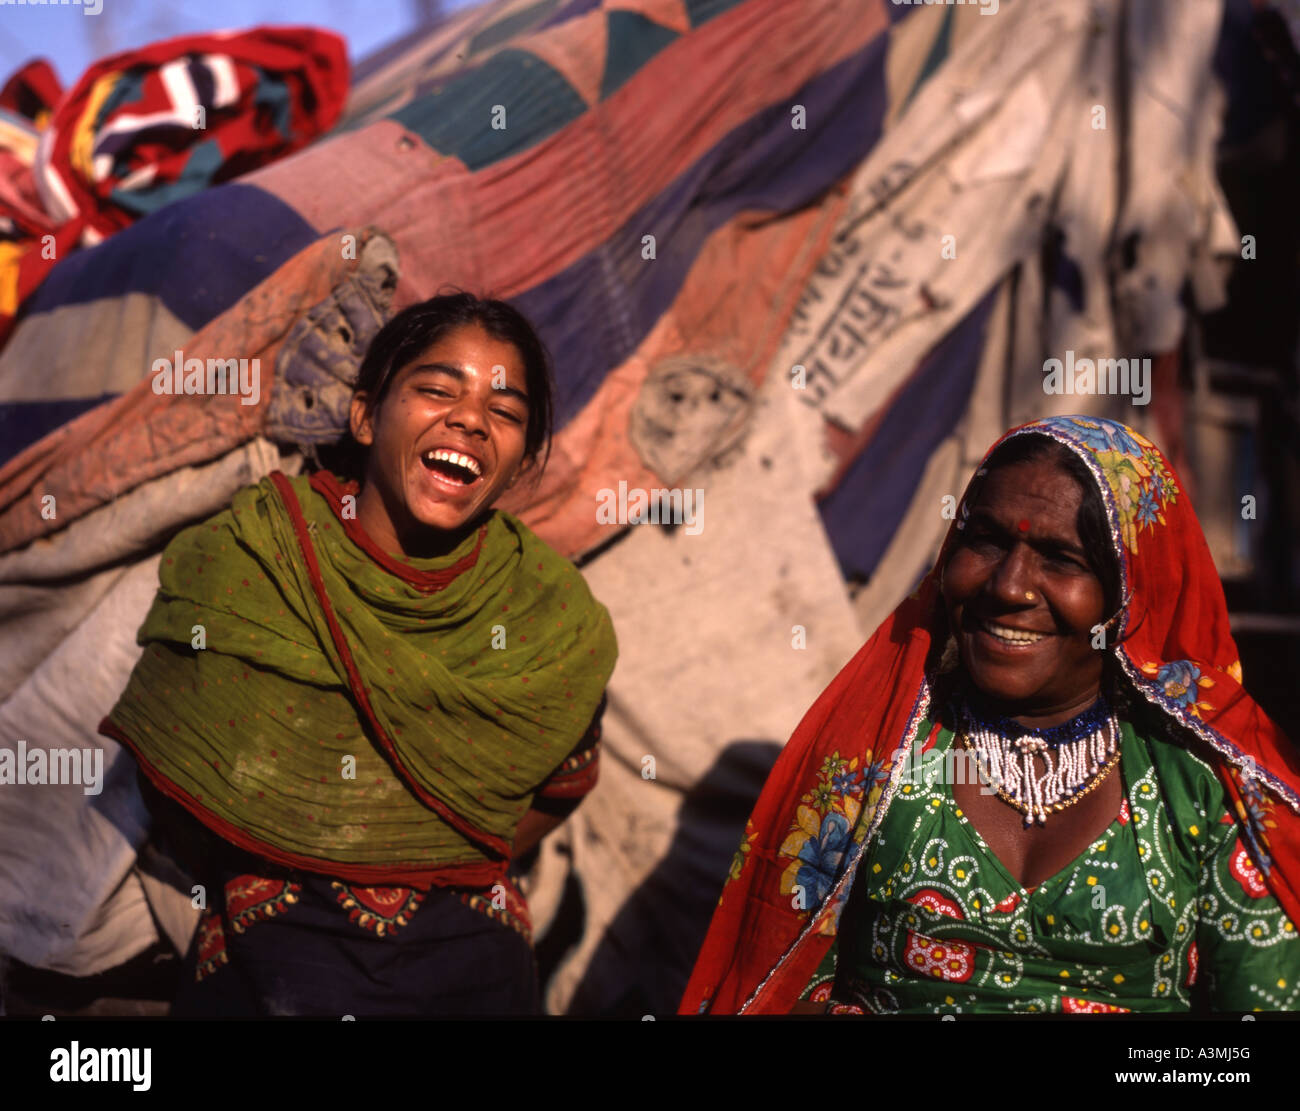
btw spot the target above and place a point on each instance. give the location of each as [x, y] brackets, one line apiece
[446, 440]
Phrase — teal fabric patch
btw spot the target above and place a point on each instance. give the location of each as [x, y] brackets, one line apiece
[511, 26]
[535, 101]
[701, 11]
[200, 168]
[939, 51]
[633, 41]
[125, 91]
[273, 97]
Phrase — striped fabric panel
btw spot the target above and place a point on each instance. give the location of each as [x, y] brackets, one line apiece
[585, 283]
[701, 133]
[173, 257]
[867, 502]
[599, 309]
[177, 255]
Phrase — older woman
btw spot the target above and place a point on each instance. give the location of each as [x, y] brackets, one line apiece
[359, 700]
[1040, 786]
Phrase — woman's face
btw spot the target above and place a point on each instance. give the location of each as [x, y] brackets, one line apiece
[1021, 598]
[445, 442]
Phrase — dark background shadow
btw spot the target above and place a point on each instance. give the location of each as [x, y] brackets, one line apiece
[642, 964]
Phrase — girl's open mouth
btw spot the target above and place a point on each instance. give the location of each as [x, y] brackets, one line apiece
[452, 468]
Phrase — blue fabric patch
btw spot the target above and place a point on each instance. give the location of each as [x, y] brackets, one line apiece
[197, 256]
[128, 89]
[571, 10]
[200, 168]
[22, 423]
[273, 96]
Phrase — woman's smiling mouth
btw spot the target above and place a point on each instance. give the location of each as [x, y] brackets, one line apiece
[1007, 636]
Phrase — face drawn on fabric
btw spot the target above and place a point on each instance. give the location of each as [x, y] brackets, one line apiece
[691, 410]
[316, 369]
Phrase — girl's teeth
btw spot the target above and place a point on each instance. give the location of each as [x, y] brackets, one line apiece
[455, 458]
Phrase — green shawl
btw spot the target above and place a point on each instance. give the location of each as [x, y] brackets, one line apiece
[349, 713]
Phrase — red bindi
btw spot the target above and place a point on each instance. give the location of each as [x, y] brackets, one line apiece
[1022, 525]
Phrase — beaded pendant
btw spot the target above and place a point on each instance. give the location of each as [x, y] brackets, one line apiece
[1077, 755]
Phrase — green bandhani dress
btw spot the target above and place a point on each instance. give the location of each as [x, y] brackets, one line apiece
[1165, 896]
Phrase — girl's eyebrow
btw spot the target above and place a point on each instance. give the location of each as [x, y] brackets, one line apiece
[459, 374]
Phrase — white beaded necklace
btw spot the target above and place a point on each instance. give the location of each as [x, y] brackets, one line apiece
[1078, 755]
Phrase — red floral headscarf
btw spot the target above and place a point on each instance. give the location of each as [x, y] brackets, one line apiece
[830, 788]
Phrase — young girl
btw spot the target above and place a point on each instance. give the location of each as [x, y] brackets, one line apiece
[361, 698]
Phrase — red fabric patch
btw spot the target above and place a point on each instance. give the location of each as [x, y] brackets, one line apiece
[212, 946]
[503, 903]
[1072, 1006]
[931, 899]
[953, 961]
[381, 910]
[250, 899]
[385, 901]
[1245, 873]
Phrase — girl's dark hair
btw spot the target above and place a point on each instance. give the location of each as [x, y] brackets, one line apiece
[1091, 521]
[415, 329]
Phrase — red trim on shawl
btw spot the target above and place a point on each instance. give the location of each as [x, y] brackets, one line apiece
[487, 840]
[572, 785]
[480, 873]
[334, 491]
[580, 770]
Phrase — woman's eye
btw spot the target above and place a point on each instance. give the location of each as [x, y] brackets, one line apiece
[983, 542]
[434, 391]
[1070, 563]
[511, 416]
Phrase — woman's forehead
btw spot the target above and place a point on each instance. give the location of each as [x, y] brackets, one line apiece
[1040, 486]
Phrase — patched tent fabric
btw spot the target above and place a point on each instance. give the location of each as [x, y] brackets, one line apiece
[788, 255]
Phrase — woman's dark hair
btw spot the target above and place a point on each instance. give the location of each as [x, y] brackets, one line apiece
[415, 329]
[1091, 521]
